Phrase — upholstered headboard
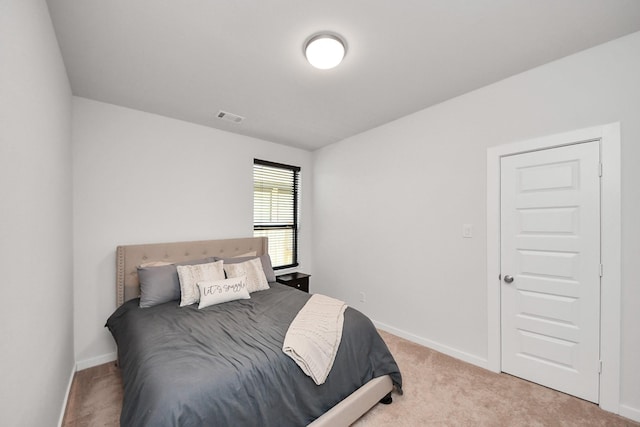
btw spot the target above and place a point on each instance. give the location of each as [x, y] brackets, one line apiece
[129, 257]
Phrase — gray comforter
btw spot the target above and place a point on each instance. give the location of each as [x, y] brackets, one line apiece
[224, 366]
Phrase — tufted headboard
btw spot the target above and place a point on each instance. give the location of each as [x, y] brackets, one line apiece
[129, 257]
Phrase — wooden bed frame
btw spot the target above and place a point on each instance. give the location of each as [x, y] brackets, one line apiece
[129, 257]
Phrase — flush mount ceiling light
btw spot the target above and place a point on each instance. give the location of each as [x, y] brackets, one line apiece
[325, 51]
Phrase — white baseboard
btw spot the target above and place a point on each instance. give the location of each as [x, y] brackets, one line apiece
[95, 361]
[449, 351]
[66, 396]
[629, 412]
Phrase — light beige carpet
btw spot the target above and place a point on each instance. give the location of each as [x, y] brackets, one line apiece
[438, 391]
[442, 391]
[95, 398]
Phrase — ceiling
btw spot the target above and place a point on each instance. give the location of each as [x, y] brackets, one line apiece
[188, 59]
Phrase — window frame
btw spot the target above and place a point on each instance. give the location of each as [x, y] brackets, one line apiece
[296, 195]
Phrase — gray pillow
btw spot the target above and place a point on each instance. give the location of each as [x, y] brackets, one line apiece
[266, 264]
[161, 284]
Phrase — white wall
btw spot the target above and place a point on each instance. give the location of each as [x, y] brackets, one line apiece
[389, 203]
[36, 323]
[142, 178]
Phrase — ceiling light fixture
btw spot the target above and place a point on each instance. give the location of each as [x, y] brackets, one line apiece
[325, 51]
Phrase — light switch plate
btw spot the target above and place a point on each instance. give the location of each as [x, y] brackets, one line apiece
[467, 231]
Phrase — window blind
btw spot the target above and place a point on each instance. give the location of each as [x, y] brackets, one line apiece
[275, 210]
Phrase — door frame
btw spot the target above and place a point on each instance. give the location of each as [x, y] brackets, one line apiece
[610, 252]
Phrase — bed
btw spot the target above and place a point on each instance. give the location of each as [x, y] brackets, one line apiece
[224, 365]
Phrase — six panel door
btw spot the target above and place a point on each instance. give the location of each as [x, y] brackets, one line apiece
[550, 258]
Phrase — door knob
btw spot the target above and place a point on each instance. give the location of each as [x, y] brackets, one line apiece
[508, 279]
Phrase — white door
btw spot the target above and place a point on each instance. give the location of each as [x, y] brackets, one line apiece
[550, 268]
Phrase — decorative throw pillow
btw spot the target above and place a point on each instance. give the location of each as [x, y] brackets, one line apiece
[219, 291]
[256, 280]
[266, 264]
[159, 282]
[190, 275]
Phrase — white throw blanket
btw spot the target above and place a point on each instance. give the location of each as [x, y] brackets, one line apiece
[314, 336]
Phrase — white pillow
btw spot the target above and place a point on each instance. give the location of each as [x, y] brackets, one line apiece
[219, 291]
[256, 279]
[190, 275]
[155, 264]
[252, 253]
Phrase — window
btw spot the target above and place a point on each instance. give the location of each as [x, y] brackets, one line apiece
[275, 210]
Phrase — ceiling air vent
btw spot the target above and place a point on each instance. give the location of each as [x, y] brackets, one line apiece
[230, 117]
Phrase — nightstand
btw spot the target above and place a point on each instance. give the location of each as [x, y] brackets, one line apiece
[295, 280]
